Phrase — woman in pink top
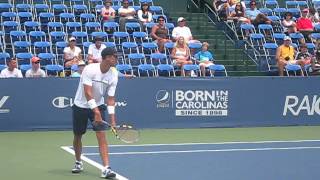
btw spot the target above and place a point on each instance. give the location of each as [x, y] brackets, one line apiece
[107, 12]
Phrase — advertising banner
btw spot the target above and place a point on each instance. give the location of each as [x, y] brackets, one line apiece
[45, 104]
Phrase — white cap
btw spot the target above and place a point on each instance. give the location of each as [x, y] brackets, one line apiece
[286, 38]
[181, 19]
[72, 39]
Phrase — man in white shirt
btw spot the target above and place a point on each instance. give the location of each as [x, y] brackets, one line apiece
[35, 70]
[89, 104]
[94, 51]
[182, 30]
[11, 71]
[126, 14]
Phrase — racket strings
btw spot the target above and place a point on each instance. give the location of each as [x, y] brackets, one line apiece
[128, 135]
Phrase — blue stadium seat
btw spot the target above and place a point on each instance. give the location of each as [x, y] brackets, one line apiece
[102, 35]
[25, 16]
[47, 58]
[24, 7]
[129, 48]
[295, 69]
[191, 68]
[125, 68]
[73, 26]
[156, 10]
[6, 7]
[21, 47]
[42, 47]
[55, 26]
[10, 26]
[8, 16]
[110, 27]
[166, 70]
[79, 9]
[80, 36]
[87, 17]
[59, 47]
[149, 48]
[216, 68]
[131, 27]
[140, 37]
[41, 8]
[45, 17]
[18, 36]
[136, 59]
[3, 59]
[31, 26]
[146, 70]
[56, 36]
[24, 58]
[270, 50]
[67, 17]
[59, 8]
[120, 37]
[92, 27]
[35, 36]
[54, 70]
[158, 58]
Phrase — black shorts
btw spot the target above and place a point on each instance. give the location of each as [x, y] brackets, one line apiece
[80, 117]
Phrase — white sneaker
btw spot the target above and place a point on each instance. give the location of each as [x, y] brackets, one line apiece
[108, 173]
[193, 74]
[78, 167]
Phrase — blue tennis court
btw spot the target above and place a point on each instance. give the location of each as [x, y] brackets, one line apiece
[264, 160]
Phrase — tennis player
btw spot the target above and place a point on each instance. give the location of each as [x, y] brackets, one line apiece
[89, 104]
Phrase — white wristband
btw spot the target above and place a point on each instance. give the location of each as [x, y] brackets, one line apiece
[111, 109]
[92, 104]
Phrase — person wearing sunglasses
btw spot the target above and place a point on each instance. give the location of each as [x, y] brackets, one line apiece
[160, 33]
[252, 12]
[11, 71]
[35, 70]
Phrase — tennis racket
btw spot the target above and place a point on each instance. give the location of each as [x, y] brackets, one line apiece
[125, 133]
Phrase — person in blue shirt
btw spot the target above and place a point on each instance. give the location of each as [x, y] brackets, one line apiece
[204, 58]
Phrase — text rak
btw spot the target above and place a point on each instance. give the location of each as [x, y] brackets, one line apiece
[295, 105]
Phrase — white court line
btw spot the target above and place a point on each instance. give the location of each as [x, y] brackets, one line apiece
[217, 143]
[205, 150]
[93, 163]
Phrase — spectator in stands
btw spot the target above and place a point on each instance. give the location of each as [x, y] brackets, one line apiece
[313, 16]
[252, 12]
[261, 19]
[159, 33]
[78, 69]
[35, 70]
[204, 57]
[303, 55]
[181, 54]
[107, 12]
[288, 24]
[182, 30]
[221, 7]
[11, 71]
[315, 63]
[144, 14]
[238, 15]
[71, 53]
[285, 55]
[94, 51]
[304, 25]
[126, 14]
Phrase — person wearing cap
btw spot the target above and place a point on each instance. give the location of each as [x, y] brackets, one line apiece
[182, 30]
[204, 58]
[94, 50]
[160, 33]
[144, 14]
[11, 71]
[35, 70]
[71, 53]
[77, 69]
[107, 12]
[303, 55]
[285, 55]
[89, 104]
[126, 14]
[304, 25]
